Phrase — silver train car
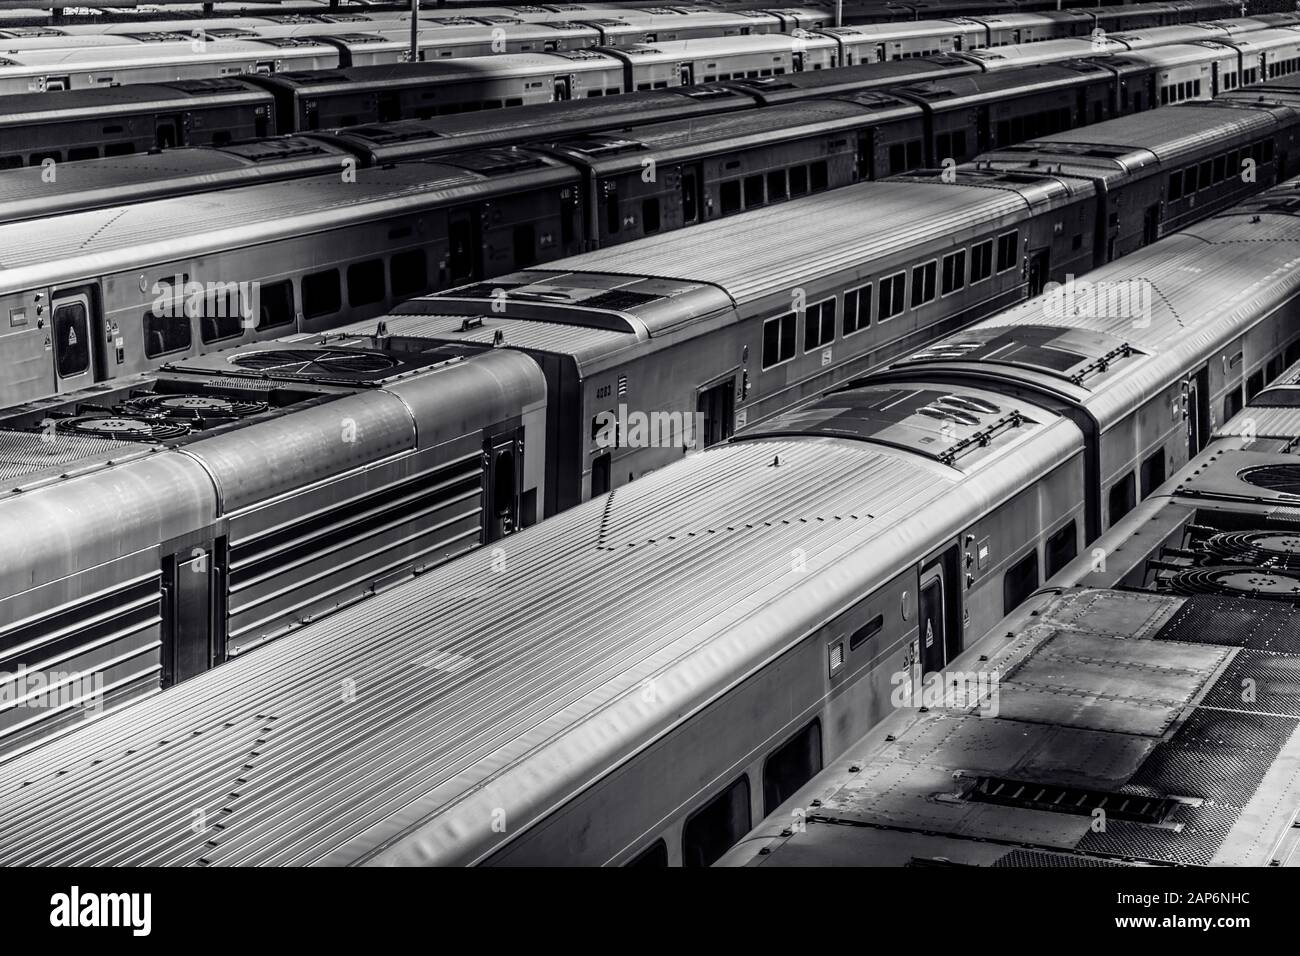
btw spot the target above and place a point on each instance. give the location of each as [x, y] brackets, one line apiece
[677, 332]
[584, 698]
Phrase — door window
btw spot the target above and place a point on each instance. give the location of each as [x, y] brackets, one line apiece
[71, 339]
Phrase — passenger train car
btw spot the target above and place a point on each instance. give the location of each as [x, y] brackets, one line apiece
[881, 530]
[678, 330]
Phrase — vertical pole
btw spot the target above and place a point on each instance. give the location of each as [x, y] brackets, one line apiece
[839, 12]
[415, 31]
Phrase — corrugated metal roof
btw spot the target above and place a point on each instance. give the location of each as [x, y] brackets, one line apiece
[1263, 423]
[583, 342]
[781, 247]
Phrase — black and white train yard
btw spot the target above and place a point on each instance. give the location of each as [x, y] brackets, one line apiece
[852, 434]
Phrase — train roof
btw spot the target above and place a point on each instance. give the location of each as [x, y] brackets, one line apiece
[60, 105]
[702, 47]
[1045, 51]
[796, 244]
[1148, 685]
[102, 241]
[702, 135]
[539, 122]
[956, 92]
[1181, 33]
[501, 690]
[851, 79]
[1113, 341]
[884, 32]
[158, 53]
[25, 193]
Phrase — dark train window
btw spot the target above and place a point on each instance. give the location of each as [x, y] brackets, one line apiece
[10, 162]
[650, 214]
[866, 632]
[1175, 186]
[1019, 582]
[1189, 180]
[614, 218]
[600, 472]
[655, 855]
[1060, 549]
[1008, 251]
[1123, 497]
[897, 159]
[717, 826]
[776, 185]
[753, 191]
[1232, 403]
[819, 176]
[524, 240]
[1292, 353]
[798, 180]
[819, 325]
[923, 283]
[222, 315]
[320, 293]
[730, 193]
[1206, 174]
[71, 339]
[891, 295]
[408, 272]
[1254, 383]
[164, 334]
[857, 309]
[791, 765]
[275, 305]
[84, 152]
[366, 281]
[1220, 168]
[914, 159]
[1274, 368]
[778, 339]
[981, 261]
[954, 271]
[1268, 150]
[1153, 472]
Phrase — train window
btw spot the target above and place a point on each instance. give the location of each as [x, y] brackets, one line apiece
[923, 283]
[1274, 368]
[1152, 472]
[1206, 174]
[165, 334]
[1292, 354]
[891, 295]
[717, 826]
[776, 185]
[366, 280]
[275, 305]
[1008, 250]
[866, 632]
[1060, 549]
[10, 162]
[791, 765]
[1254, 383]
[650, 214]
[818, 175]
[954, 271]
[655, 855]
[613, 217]
[1164, 96]
[798, 180]
[914, 160]
[1175, 186]
[857, 309]
[730, 196]
[1019, 581]
[1268, 150]
[897, 159]
[600, 474]
[1220, 168]
[778, 340]
[981, 261]
[1123, 496]
[222, 314]
[1189, 180]
[85, 152]
[320, 293]
[71, 339]
[753, 191]
[408, 273]
[819, 325]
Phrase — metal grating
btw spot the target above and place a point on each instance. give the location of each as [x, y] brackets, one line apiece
[1235, 622]
[1260, 682]
[1036, 858]
[24, 453]
[1028, 795]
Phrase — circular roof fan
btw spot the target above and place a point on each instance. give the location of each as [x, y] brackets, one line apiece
[1280, 478]
[192, 407]
[1270, 585]
[1273, 550]
[315, 362]
[121, 428]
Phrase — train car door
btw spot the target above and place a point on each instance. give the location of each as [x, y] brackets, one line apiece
[563, 88]
[797, 59]
[716, 408]
[939, 617]
[1151, 224]
[189, 621]
[167, 131]
[1039, 264]
[687, 71]
[1197, 410]
[503, 454]
[866, 160]
[692, 194]
[464, 245]
[76, 349]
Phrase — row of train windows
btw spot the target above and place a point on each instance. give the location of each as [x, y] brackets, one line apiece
[1177, 92]
[1283, 67]
[1124, 493]
[1255, 382]
[443, 109]
[659, 85]
[608, 91]
[15, 161]
[222, 315]
[1021, 579]
[1211, 172]
[1230, 81]
[904, 157]
[745, 74]
[777, 185]
[1040, 124]
[725, 819]
[950, 276]
[913, 54]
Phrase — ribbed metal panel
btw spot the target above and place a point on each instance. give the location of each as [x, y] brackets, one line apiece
[25, 453]
[1264, 423]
